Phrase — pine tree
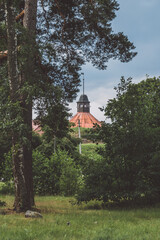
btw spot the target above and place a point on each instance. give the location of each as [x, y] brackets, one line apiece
[68, 34]
[21, 145]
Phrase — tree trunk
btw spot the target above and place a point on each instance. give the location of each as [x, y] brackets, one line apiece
[29, 22]
[17, 150]
[22, 151]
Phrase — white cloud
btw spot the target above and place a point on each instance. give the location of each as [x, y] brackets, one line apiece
[98, 98]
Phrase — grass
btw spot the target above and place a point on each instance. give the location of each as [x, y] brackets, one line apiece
[62, 220]
[89, 149]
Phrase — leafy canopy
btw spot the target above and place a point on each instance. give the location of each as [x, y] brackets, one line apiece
[130, 166]
[69, 34]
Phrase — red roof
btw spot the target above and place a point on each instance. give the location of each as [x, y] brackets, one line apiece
[87, 120]
[36, 128]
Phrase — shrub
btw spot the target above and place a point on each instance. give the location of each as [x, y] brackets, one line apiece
[7, 187]
[7, 174]
[57, 174]
[70, 178]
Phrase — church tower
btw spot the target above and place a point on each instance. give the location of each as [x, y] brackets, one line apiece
[83, 105]
[83, 116]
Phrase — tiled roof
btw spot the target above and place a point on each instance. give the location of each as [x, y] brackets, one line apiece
[3, 54]
[87, 120]
[36, 128]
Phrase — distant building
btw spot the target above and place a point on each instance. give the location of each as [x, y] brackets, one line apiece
[36, 128]
[86, 119]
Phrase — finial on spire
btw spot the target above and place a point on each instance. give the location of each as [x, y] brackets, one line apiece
[83, 82]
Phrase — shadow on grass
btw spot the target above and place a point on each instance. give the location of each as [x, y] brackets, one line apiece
[121, 205]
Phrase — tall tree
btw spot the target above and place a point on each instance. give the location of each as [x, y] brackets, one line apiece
[26, 77]
[130, 168]
[29, 23]
[18, 78]
[21, 200]
[69, 34]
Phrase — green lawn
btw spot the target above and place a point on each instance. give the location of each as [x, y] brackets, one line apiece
[85, 224]
[89, 149]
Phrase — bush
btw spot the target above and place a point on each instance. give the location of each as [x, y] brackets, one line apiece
[7, 187]
[7, 174]
[96, 181]
[70, 178]
[57, 174]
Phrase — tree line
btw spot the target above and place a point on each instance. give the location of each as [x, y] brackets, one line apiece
[125, 168]
[130, 166]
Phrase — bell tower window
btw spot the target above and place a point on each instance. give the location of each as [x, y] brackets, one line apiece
[83, 105]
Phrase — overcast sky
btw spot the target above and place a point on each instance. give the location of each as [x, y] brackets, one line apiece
[139, 20]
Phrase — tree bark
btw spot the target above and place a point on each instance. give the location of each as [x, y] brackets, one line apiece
[17, 149]
[29, 22]
[22, 152]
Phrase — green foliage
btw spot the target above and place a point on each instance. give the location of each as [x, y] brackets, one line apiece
[7, 174]
[47, 144]
[53, 115]
[5, 146]
[5, 123]
[56, 174]
[70, 178]
[7, 187]
[84, 132]
[96, 181]
[46, 69]
[130, 165]
[69, 144]
[53, 173]
[36, 140]
[91, 150]
[2, 203]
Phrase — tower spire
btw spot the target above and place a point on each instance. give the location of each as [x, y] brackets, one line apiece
[84, 118]
[83, 105]
[83, 83]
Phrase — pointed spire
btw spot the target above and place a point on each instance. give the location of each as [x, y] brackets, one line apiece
[83, 83]
[83, 116]
[83, 105]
